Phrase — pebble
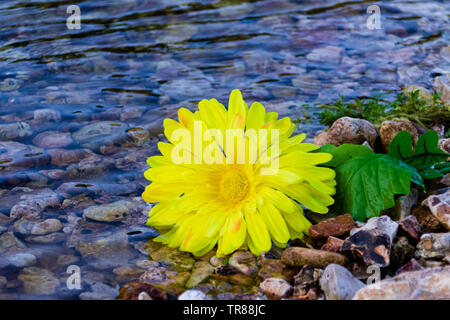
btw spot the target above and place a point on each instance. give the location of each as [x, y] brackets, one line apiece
[244, 262]
[200, 272]
[348, 130]
[12, 131]
[336, 227]
[338, 283]
[53, 139]
[431, 283]
[440, 207]
[192, 294]
[297, 256]
[275, 288]
[390, 128]
[110, 212]
[38, 281]
[433, 246]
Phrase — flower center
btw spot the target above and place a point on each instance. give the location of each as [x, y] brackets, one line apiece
[234, 186]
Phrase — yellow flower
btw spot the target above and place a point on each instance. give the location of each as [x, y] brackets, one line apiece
[234, 178]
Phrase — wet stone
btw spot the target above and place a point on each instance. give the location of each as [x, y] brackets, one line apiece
[389, 129]
[402, 252]
[348, 130]
[13, 131]
[306, 282]
[132, 290]
[411, 265]
[110, 212]
[431, 283]
[52, 139]
[440, 207]
[337, 227]
[297, 256]
[16, 156]
[372, 242]
[192, 294]
[38, 281]
[338, 283]
[333, 244]
[244, 262]
[33, 204]
[433, 246]
[410, 227]
[98, 136]
[200, 272]
[100, 291]
[180, 261]
[21, 259]
[276, 288]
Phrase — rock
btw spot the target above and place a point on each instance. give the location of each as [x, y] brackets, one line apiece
[403, 205]
[67, 259]
[180, 261]
[297, 256]
[63, 157]
[408, 75]
[337, 227]
[412, 265]
[46, 226]
[109, 212]
[427, 221]
[244, 262]
[444, 145]
[272, 268]
[330, 54]
[192, 294]
[53, 139]
[132, 290]
[15, 156]
[402, 252]
[431, 283]
[440, 130]
[338, 283]
[390, 128]
[103, 249]
[275, 288]
[100, 291]
[3, 282]
[410, 227]
[372, 242]
[31, 205]
[433, 246]
[12, 131]
[38, 281]
[333, 244]
[46, 115]
[307, 281]
[100, 136]
[10, 243]
[440, 207]
[127, 274]
[423, 93]
[21, 259]
[348, 130]
[56, 237]
[200, 272]
[37, 227]
[441, 85]
[156, 274]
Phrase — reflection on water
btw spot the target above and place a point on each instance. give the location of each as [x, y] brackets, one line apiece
[81, 110]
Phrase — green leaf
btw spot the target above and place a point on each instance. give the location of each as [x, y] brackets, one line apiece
[366, 185]
[344, 153]
[427, 156]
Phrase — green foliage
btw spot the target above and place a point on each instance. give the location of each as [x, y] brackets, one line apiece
[367, 182]
[376, 110]
[428, 159]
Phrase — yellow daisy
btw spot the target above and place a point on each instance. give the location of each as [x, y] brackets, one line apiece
[235, 178]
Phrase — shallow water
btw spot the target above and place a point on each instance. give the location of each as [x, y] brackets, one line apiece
[103, 90]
